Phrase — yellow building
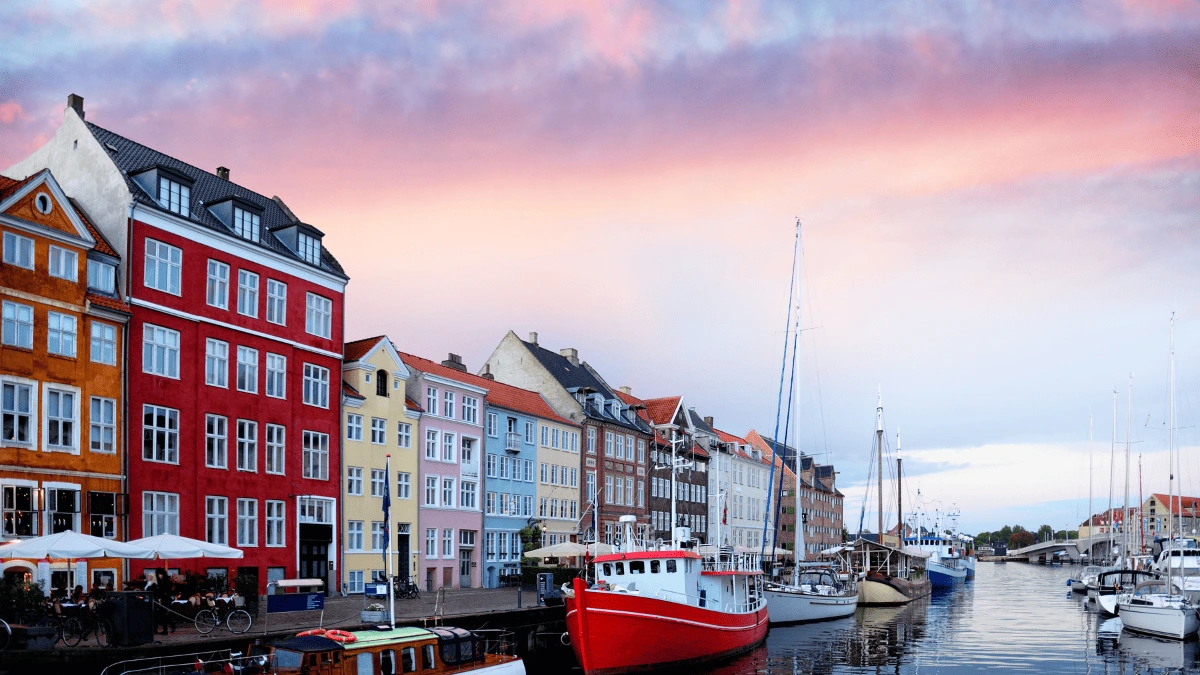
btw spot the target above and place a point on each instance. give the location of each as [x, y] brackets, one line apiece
[377, 422]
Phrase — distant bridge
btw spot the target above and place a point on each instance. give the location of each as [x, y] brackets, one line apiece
[1070, 548]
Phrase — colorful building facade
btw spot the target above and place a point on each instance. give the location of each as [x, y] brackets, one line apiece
[61, 381]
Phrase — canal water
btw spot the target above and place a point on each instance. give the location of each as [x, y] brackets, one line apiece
[1013, 617]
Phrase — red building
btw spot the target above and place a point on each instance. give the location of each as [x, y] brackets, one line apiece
[234, 355]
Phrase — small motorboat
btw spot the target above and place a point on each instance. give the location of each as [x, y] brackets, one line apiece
[1151, 610]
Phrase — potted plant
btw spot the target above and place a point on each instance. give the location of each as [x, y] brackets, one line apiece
[375, 612]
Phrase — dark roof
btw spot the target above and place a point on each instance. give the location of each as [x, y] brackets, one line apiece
[573, 377]
[310, 643]
[824, 471]
[207, 188]
[698, 422]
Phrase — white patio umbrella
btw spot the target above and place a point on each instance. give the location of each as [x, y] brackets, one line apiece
[175, 547]
[566, 549]
[71, 545]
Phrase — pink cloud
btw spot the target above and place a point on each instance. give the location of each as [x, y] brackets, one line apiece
[11, 111]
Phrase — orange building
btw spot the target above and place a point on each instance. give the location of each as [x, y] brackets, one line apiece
[61, 380]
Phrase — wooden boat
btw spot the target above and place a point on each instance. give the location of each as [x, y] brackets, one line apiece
[888, 576]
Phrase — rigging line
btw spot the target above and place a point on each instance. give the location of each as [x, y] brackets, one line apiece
[816, 364]
[870, 472]
[796, 447]
[787, 324]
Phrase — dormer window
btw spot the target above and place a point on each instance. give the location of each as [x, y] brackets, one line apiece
[309, 248]
[102, 277]
[616, 408]
[247, 224]
[174, 196]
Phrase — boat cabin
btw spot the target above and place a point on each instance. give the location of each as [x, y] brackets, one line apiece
[724, 579]
[435, 651]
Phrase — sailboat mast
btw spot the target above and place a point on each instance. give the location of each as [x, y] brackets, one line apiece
[1112, 467]
[1173, 470]
[1091, 525]
[674, 515]
[879, 456]
[1125, 538]
[799, 546]
[899, 493]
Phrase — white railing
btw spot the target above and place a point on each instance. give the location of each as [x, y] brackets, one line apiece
[512, 441]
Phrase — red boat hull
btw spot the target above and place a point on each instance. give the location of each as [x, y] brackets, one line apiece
[622, 633]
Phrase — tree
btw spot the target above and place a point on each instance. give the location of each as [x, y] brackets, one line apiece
[1020, 539]
[1045, 533]
[1005, 533]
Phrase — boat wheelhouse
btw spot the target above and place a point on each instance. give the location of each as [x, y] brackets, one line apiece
[887, 575]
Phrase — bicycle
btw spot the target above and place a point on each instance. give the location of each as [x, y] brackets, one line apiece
[236, 620]
[76, 629]
[5, 635]
[406, 590]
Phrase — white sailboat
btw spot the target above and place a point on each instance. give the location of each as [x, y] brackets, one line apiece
[1153, 608]
[816, 592]
[1079, 584]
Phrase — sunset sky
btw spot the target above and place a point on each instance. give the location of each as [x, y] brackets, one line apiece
[999, 201]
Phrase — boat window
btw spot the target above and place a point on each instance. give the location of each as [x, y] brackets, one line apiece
[654, 567]
[285, 658]
[608, 569]
[449, 652]
[427, 657]
[620, 569]
[466, 650]
[366, 664]
[637, 567]
[387, 662]
[670, 567]
[408, 660]
[337, 658]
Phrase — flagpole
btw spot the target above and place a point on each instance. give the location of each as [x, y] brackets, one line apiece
[387, 513]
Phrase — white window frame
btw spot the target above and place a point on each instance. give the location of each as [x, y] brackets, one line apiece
[354, 537]
[216, 441]
[64, 263]
[103, 343]
[354, 481]
[403, 435]
[51, 392]
[354, 427]
[216, 520]
[403, 485]
[316, 385]
[18, 325]
[318, 315]
[216, 288]
[160, 351]
[62, 334]
[247, 369]
[247, 446]
[378, 431]
[174, 196]
[163, 267]
[102, 425]
[170, 451]
[160, 513]
[247, 224]
[19, 251]
[276, 449]
[315, 455]
[247, 522]
[276, 367]
[276, 302]
[216, 363]
[247, 303]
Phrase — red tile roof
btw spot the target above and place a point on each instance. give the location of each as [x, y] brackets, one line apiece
[9, 186]
[632, 400]
[1190, 505]
[662, 410]
[699, 451]
[728, 437]
[499, 394]
[350, 391]
[412, 405]
[107, 302]
[354, 351]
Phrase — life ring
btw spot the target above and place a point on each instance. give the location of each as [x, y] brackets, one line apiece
[340, 636]
[315, 631]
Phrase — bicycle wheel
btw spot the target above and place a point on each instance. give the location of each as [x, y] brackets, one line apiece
[57, 625]
[239, 621]
[206, 621]
[104, 633]
[72, 632]
[5, 635]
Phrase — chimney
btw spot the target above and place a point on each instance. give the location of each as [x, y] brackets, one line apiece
[708, 421]
[626, 389]
[222, 173]
[75, 102]
[487, 372]
[533, 338]
[571, 354]
[455, 361]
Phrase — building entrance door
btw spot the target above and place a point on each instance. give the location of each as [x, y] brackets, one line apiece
[464, 567]
[315, 540]
[402, 548]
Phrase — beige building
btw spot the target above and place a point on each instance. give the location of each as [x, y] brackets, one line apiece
[377, 421]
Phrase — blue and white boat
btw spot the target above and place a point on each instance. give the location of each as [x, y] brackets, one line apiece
[945, 565]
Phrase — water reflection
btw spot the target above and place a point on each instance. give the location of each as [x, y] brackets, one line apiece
[1014, 617]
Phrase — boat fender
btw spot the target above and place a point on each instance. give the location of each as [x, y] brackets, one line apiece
[315, 631]
[565, 639]
[341, 636]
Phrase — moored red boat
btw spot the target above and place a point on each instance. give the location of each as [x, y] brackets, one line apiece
[653, 608]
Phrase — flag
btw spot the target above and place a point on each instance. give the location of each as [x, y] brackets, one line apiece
[387, 505]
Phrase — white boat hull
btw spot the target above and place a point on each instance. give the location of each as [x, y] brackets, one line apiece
[794, 606]
[1170, 620]
[1110, 604]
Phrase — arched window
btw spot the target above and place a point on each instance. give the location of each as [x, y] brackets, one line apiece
[381, 383]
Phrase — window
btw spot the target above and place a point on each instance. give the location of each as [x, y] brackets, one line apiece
[448, 543]
[276, 375]
[247, 522]
[448, 493]
[18, 250]
[247, 293]
[528, 506]
[545, 435]
[608, 490]
[490, 503]
[216, 363]
[216, 520]
[18, 412]
[542, 507]
[489, 543]
[377, 530]
[316, 386]
[310, 248]
[403, 434]
[64, 264]
[381, 382]
[529, 471]
[378, 431]
[641, 458]
[60, 416]
[641, 494]
[403, 485]
[431, 444]
[102, 512]
[18, 325]
[217, 291]
[164, 264]
[60, 334]
[174, 197]
[315, 458]
[354, 427]
[275, 448]
[160, 513]
[378, 480]
[467, 453]
[574, 478]
[354, 535]
[447, 447]
[554, 474]
[102, 277]
[318, 316]
[216, 437]
[102, 435]
[620, 451]
[529, 433]
[470, 410]
[448, 411]
[608, 444]
[247, 445]
[431, 543]
[431, 487]
[490, 465]
[591, 486]
[160, 351]
[493, 425]
[247, 224]
[63, 508]
[276, 517]
[276, 302]
[354, 480]
[431, 400]
[247, 370]
[467, 494]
